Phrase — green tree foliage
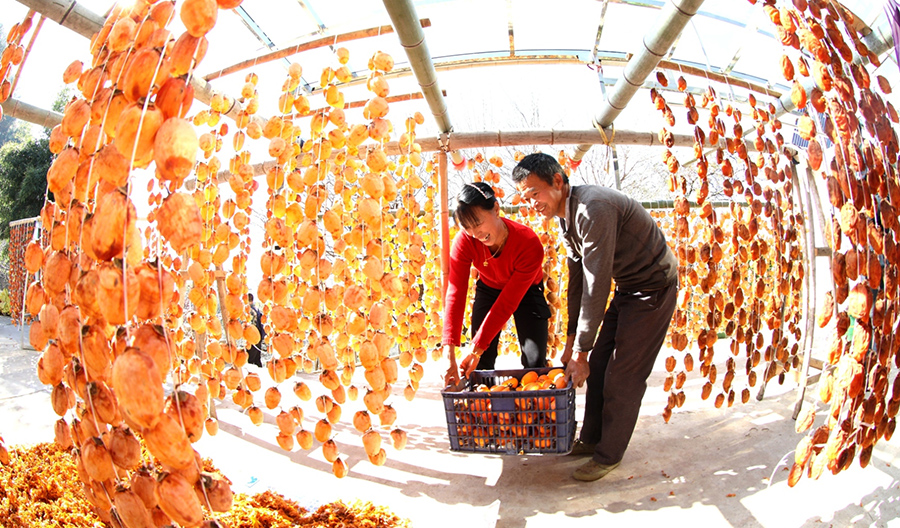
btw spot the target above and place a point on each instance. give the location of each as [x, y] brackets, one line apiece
[63, 98]
[10, 130]
[23, 174]
[23, 180]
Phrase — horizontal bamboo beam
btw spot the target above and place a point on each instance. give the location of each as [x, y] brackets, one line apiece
[617, 61]
[511, 138]
[34, 219]
[718, 77]
[359, 104]
[646, 204]
[461, 64]
[306, 46]
[69, 14]
[32, 114]
[515, 138]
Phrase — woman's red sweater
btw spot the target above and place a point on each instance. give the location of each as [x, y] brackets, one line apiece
[513, 271]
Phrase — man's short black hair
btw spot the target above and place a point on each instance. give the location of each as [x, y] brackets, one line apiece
[544, 166]
[476, 195]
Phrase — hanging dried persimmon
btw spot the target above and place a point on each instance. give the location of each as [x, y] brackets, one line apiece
[179, 221]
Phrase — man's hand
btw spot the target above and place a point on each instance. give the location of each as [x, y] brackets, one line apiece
[578, 370]
[567, 351]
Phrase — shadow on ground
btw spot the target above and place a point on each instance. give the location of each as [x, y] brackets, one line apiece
[710, 458]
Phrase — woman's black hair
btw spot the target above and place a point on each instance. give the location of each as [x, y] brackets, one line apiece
[476, 195]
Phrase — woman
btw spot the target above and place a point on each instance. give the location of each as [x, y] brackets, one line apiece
[509, 258]
[254, 351]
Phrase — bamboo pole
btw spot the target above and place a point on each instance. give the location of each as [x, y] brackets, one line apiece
[445, 223]
[814, 191]
[507, 138]
[358, 104]
[34, 35]
[69, 14]
[409, 32]
[879, 40]
[820, 216]
[220, 292]
[511, 138]
[809, 257]
[655, 44]
[474, 62]
[718, 77]
[306, 46]
[81, 20]
[615, 61]
[32, 114]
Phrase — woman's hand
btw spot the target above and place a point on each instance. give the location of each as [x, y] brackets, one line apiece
[470, 362]
[451, 378]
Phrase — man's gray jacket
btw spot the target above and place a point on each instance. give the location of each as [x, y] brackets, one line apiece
[609, 236]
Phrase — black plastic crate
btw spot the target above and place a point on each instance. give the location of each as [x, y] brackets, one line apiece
[510, 422]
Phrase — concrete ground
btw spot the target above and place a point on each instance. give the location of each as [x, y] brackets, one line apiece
[708, 467]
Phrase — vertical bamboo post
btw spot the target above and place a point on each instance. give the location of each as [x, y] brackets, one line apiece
[34, 36]
[22, 314]
[820, 216]
[809, 256]
[445, 222]
[220, 290]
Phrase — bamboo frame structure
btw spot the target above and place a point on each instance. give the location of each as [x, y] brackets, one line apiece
[415, 96]
[34, 35]
[809, 258]
[79, 19]
[472, 62]
[306, 46]
[718, 77]
[30, 113]
[512, 138]
[445, 223]
[878, 40]
[69, 14]
[613, 60]
[812, 185]
[409, 31]
[656, 42]
[508, 138]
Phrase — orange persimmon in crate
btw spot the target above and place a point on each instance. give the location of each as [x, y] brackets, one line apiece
[524, 411]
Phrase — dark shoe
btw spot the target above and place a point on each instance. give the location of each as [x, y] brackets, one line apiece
[580, 448]
[592, 471]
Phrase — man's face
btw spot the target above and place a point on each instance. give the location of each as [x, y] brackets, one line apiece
[546, 199]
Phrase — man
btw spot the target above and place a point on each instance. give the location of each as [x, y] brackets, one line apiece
[607, 236]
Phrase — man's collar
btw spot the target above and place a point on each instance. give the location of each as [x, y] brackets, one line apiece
[564, 221]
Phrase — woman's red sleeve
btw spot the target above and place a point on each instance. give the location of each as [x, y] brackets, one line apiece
[461, 255]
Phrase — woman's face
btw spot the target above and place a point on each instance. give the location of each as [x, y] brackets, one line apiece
[488, 229]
